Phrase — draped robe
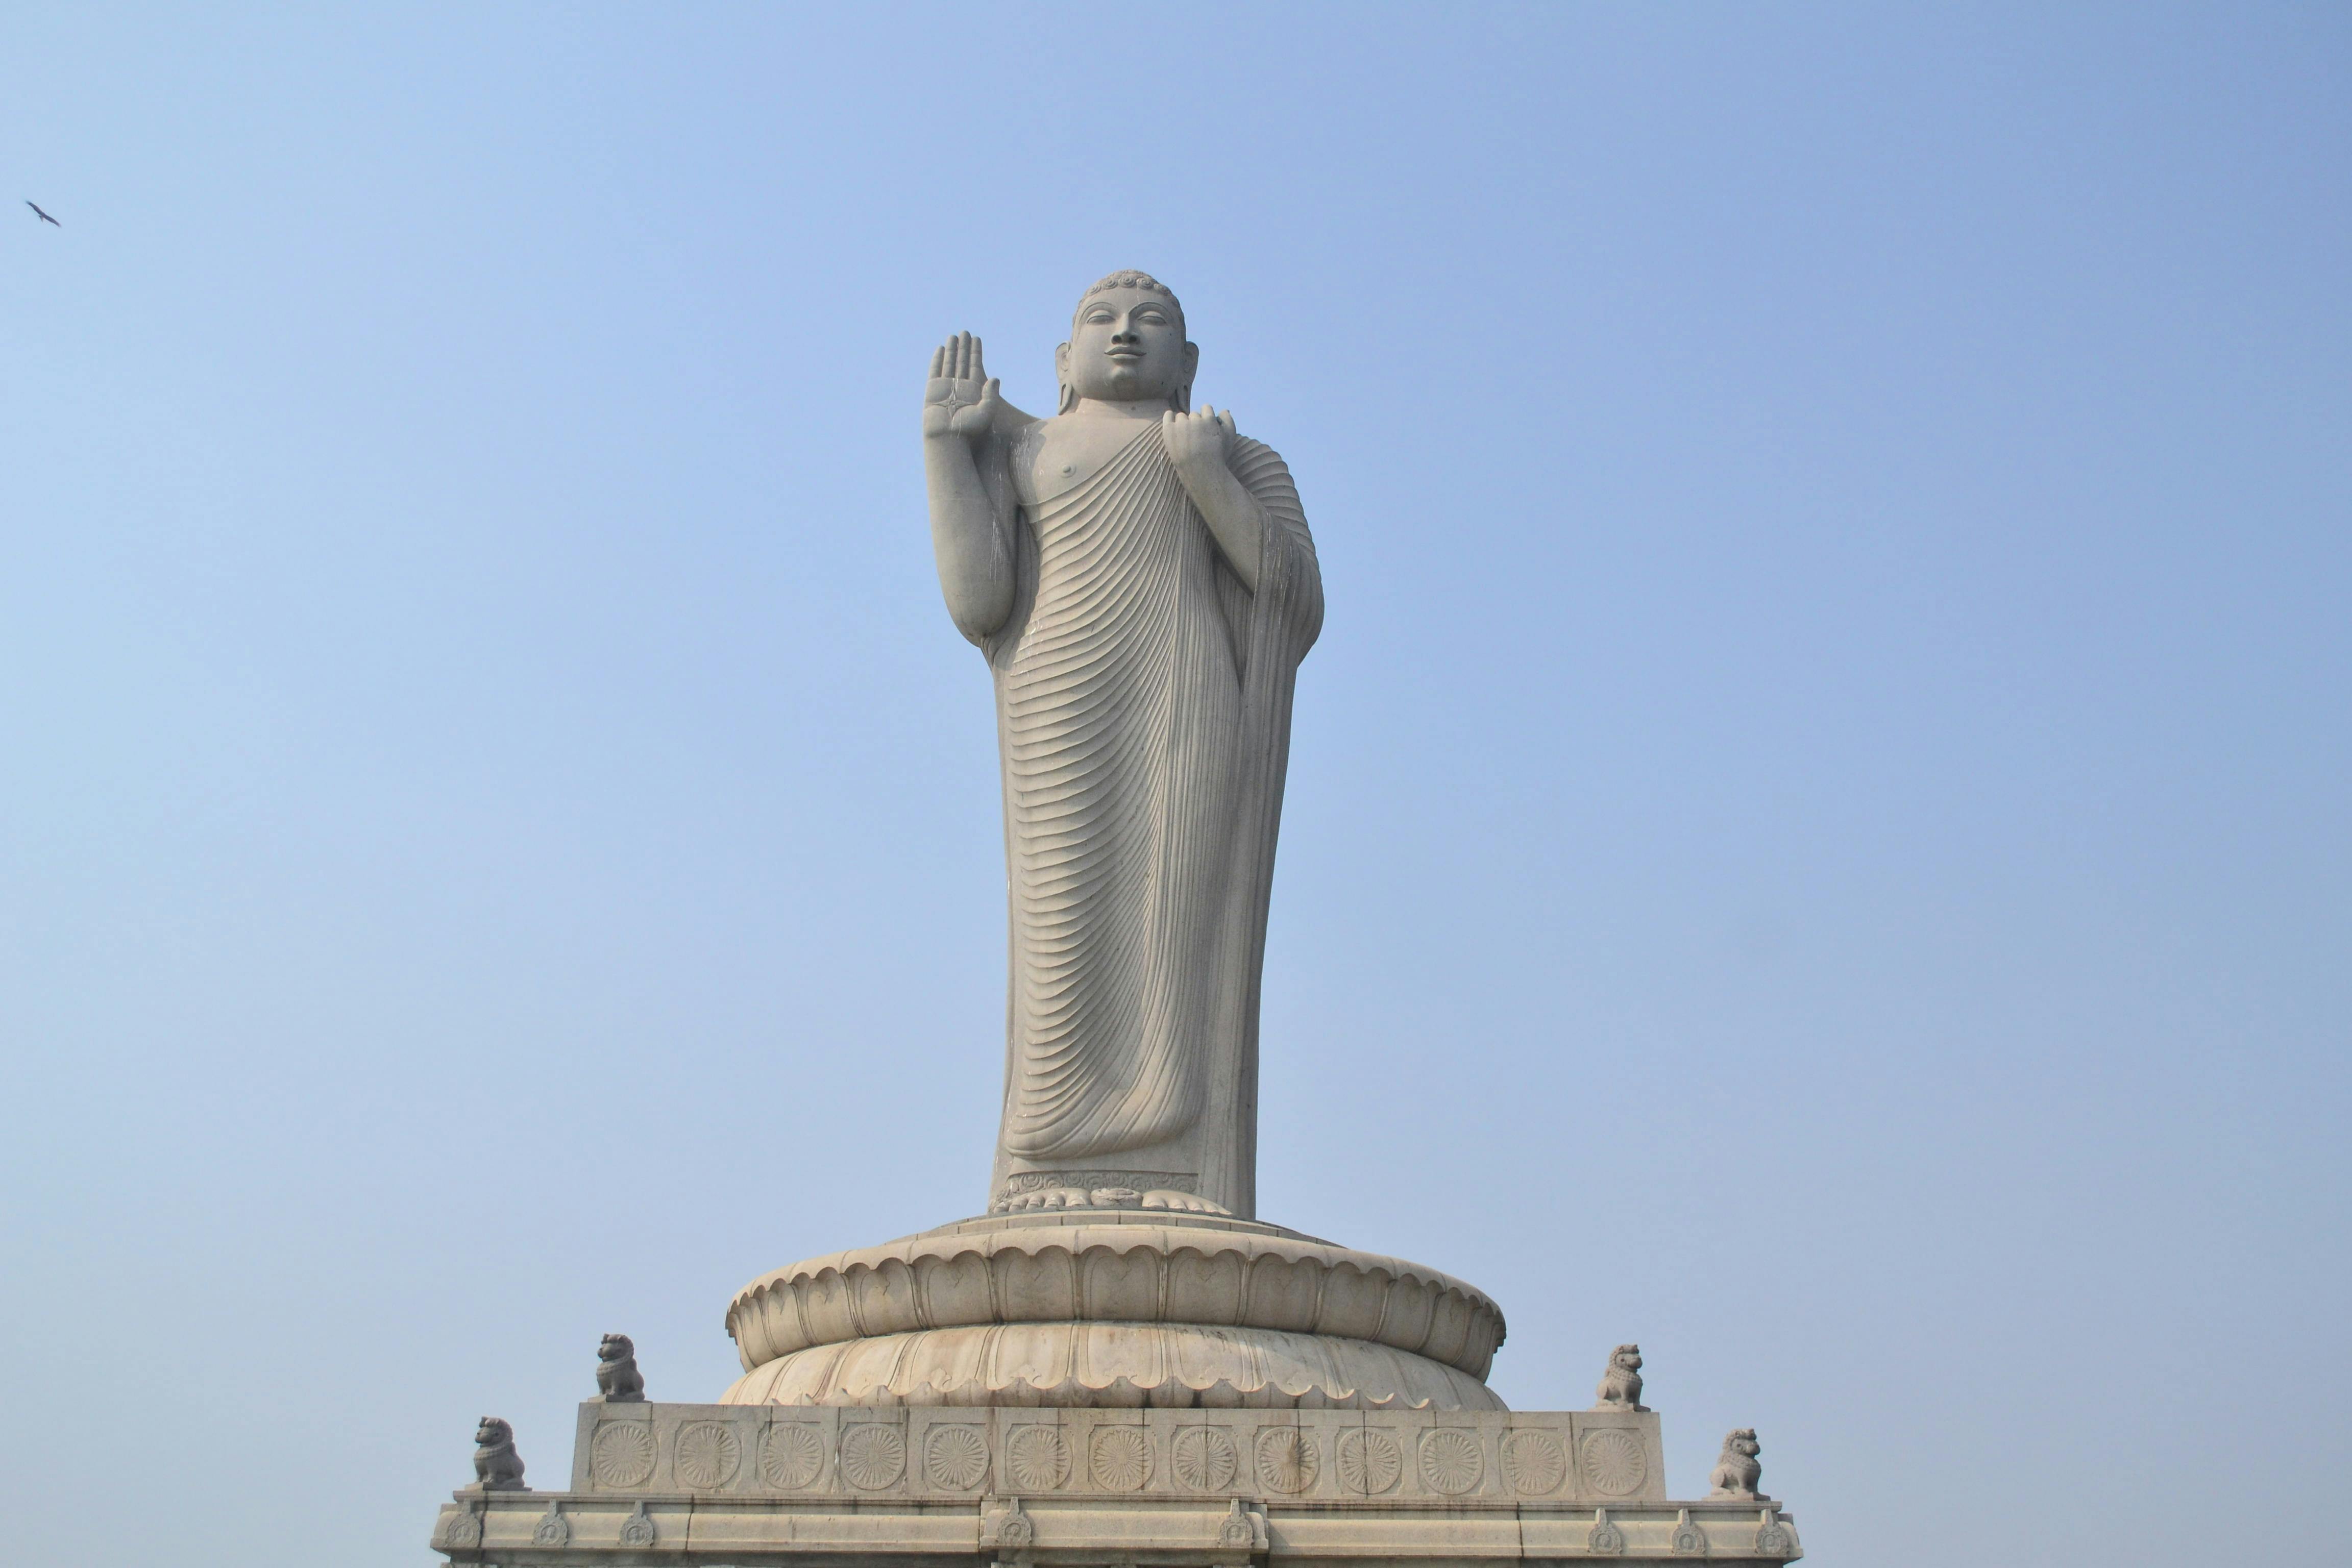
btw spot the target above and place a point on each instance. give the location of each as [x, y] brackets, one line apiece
[1143, 710]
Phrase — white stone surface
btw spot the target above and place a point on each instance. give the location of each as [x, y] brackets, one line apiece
[1590, 1457]
[1116, 1365]
[1114, 1267]
[1141, 581]
[898, 1486]
[1118, 1308]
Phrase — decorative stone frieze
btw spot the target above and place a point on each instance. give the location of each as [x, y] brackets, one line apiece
[946, 1453]
[1047, 1488]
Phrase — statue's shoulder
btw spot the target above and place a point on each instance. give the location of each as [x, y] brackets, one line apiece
[1261, 471]
[1021, 439]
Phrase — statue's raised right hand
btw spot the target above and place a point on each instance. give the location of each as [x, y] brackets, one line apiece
[959, 398]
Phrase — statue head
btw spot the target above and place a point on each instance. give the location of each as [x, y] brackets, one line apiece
[1127, 345]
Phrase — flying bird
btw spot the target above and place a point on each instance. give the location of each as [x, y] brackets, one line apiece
[44, 217]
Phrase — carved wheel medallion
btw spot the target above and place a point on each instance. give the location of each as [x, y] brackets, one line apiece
[1534, 1462]
[1605, 1537]
[464, 1529]
[873, 1456]
[791, 1456]
[1040, 1460]
[1203, 1458]
[1286, 1460]
[622, 1454]
[1614, 1462]
[1370, 1462]
[705, 1454]
[1120, 1459]
[1451, 1461]
[957, 1456]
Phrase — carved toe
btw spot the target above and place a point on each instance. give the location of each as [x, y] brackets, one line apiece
[1183, 1202]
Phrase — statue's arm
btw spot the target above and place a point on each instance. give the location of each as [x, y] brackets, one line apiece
[1289, 547]
[971, 531]
[967, 427]
[1198, 444]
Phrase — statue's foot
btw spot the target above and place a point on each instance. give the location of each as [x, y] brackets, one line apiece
[1047, 1198]
[1108, 1198]
[1183, 1202]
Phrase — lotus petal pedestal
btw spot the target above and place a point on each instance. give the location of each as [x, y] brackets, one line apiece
[1115, 1308]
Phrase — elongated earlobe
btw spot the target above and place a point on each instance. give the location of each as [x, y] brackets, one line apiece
[1180, 400]
[1069, 396]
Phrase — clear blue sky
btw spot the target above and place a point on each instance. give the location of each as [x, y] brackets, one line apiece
[1816, 836]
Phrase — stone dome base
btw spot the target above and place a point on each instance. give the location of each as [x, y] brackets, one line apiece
[1117, 1364]
[1114, 1308]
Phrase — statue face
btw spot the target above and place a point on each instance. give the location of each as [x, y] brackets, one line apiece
[1127, 346]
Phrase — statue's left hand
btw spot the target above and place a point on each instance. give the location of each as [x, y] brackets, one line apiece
[1196, 443]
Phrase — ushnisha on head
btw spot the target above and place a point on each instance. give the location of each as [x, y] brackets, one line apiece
[1128, 345]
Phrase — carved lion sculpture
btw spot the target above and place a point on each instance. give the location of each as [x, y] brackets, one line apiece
[497, 1466]
[618, 1380]
[1737, 1471]
[1620, 1385]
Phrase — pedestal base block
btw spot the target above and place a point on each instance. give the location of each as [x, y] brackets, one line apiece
[897, 1487]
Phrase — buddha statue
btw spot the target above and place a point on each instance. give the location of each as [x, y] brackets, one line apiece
[1139, 577]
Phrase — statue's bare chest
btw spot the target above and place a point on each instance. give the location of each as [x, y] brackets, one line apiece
[1057, 455]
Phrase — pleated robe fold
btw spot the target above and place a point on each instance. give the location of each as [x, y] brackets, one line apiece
[1143, 705]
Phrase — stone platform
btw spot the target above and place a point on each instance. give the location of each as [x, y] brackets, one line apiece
[898, 1486]
[1115, 1308]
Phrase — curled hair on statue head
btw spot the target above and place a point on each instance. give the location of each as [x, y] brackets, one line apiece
[1142, 282]
[1179, 399]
